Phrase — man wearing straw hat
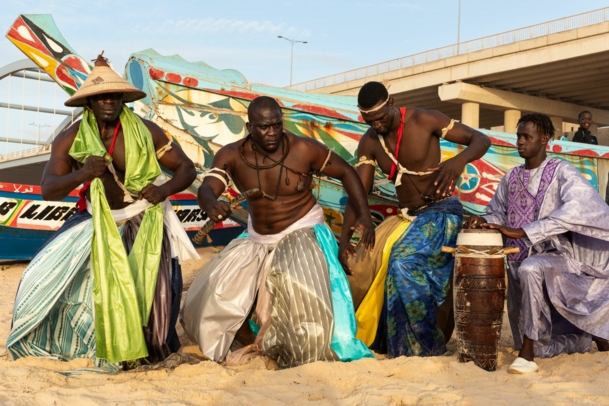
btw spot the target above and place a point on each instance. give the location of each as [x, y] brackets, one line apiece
[107, 285]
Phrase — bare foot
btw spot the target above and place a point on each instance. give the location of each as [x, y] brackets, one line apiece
[603, 345]
[527, 350]
[245, 336]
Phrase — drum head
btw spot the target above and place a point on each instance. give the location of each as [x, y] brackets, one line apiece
[480, 238]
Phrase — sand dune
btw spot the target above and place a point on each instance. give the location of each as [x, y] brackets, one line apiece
[567, 379]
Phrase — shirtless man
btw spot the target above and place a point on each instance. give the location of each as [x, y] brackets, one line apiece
[413, 282]
[116, 155]
[288, 259]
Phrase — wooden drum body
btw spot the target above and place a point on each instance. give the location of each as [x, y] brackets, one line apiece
[479, 286]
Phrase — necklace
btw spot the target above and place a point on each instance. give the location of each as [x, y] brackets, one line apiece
[285, 149]
[265, 156]
[522, 189]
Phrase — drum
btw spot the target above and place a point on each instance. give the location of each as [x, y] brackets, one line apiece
[479, 295]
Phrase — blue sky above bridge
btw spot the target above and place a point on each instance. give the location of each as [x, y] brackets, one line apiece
[242, 35]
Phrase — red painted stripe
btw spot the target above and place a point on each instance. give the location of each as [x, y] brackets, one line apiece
[233, 93]
[173, 78]
[501, 143]
[190, 82]
[324, 111]
[77, 64]
[36, 43]
[156, 73]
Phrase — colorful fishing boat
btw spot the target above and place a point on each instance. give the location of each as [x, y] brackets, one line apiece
[27, 221]
[203, 109]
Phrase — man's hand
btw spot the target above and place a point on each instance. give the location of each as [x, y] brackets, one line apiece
[220, 212]
[344, 251]
[364, 223]
[450, 171]
[475, 222]
[367, 241]
[94, 167]
[514, 233]
[154, 194]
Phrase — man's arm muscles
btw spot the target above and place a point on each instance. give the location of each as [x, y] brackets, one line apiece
[175, 160]
[356, 185]
[477, 143]
[212, 188]
[366, 177]
[58, 179]
[451, 169]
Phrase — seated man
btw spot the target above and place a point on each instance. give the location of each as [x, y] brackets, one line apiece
[558, 286]
[407, 278]
[106, 286]
[287, 262]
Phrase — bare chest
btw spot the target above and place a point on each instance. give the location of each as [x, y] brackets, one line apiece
[418, 151]
[117, 151]
[273, 176]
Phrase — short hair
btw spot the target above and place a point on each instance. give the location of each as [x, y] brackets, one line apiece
[261, 103]
[579, 116]
[371, 94]
[541, 121]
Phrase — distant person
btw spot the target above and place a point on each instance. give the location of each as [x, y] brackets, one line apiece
[583, 134]
[564, 137]
[558, 285]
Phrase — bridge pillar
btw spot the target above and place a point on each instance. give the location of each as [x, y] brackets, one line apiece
[557, 122]
[510, 120]
[470, 114]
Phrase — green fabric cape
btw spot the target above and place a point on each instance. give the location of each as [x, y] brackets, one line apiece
[124, 285]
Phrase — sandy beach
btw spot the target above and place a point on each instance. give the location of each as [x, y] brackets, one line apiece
[567, 379]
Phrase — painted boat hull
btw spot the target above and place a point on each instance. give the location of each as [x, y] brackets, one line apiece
[27, 221]
[203, 108]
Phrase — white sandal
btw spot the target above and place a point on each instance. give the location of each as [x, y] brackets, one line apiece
[522, 366]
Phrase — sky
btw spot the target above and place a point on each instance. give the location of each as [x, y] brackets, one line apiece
[242, 35]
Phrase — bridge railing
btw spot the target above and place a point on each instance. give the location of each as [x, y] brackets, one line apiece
[492, 41]
[24, 153]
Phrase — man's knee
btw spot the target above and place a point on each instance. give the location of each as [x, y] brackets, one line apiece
[529, 270]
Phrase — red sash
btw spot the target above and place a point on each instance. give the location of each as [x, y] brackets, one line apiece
[394, 167]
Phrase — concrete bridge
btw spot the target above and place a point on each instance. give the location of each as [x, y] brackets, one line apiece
[559, 68]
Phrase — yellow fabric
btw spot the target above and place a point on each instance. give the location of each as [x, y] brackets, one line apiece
[369, 311]
[365, 265]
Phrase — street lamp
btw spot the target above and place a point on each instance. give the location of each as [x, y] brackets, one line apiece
[292, 41]
[459, 29]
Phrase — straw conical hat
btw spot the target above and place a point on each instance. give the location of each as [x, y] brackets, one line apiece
[104, 80]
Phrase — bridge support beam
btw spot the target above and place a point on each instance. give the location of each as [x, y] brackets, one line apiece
[510, 120]
[496, 99]
[470, 114]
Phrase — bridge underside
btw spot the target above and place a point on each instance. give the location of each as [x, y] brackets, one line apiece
[559, 75]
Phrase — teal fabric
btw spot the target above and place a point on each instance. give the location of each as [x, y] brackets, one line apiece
[344, 343]
[254, 327]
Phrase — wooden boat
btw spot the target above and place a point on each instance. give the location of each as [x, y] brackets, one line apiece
[27, 221]
[203, 109]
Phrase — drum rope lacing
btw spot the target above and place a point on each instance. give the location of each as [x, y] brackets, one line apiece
[464, 251]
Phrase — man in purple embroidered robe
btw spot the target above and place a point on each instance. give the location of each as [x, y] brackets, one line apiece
[558, 285]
